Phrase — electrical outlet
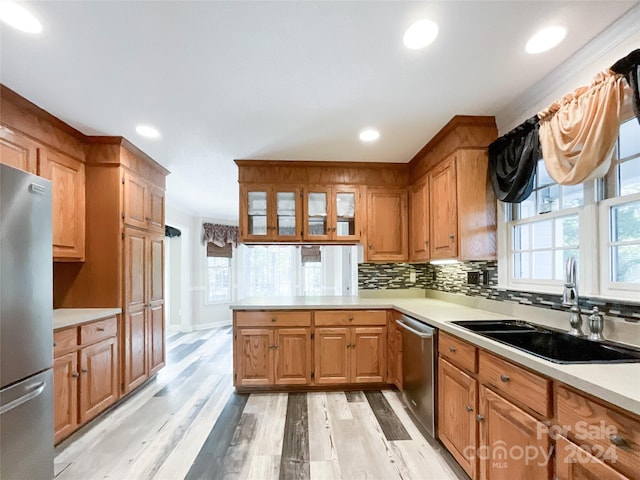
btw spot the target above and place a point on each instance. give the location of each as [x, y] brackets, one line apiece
[412, 276]
[473, 278]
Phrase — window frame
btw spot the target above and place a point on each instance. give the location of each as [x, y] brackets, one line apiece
[208, 283]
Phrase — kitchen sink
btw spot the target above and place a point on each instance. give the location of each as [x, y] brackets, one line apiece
[553, 345]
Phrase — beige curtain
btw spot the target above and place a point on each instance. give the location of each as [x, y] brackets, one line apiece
[578, 133]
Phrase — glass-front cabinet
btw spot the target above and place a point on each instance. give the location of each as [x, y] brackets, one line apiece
[270, 213]
[332, 213]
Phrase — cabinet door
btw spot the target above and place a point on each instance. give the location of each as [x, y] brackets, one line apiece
[65, 395]
[444, 218]
[255, 356]
[387, 226]
[368, 360]
[316, 214]
[18, 151]
[136, 200]
[67, 198]
[575, 463]
[156, 209]
[346, 211]
[457, 409]
[98, 378]
[510, 436]
[332, 354]
[135, 332]
[419, 226]
[255, 221]
[155, 304]
[287, 215]
[292, 356]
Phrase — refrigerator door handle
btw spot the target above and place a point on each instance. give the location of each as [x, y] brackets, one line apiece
[37, 188]
[23, 399]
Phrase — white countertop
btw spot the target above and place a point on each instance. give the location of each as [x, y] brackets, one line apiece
[618, 384]
[69, 317]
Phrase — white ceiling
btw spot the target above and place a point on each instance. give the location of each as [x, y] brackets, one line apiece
[280, 80]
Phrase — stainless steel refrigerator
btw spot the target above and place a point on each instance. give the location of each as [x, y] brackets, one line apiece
[26, 330]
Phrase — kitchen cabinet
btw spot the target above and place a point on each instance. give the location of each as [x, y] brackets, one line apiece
[272, 348]
[332, 213]
[143, 203]
[143, 344]
[387, 225]
[67, 177]
[18, 151]
[443, 216]
[270, 213]
[576, 463]
[86, 373]
[419, 225]
[394, 351]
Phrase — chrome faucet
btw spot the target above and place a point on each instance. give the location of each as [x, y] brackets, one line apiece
[596, 325]
[570, 297]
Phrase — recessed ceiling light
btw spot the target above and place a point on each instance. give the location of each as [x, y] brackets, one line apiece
[420, 34]
[147, 131]
[369, 135]
[19, 17]
[546, 39]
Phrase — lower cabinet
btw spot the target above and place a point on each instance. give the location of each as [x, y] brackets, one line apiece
[576, 463]
[85, 370]
[394, 351]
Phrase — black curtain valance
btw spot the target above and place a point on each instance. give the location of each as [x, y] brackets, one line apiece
[512, 161]
[171, 232]
[629, 66]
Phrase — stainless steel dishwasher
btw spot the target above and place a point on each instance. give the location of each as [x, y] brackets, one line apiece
[418, 370]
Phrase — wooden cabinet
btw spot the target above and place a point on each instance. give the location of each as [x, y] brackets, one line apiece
[143, 203]
[443, 215]
[18, 151]
[394, 351]
[516, 444]
[457, 410]
[67, 177]
[270, 213]
[143, 339]
[419, 225]
[272, 348]
[387, 225]
[332, 213]
[576, 463]
[86, 374]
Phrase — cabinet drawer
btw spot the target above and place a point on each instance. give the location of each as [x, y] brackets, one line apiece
[351, 317]
[92, 332]
[573, 462]
[65, 341]
[523, 386]
[273, 318]
[458, 352]
[598, 428]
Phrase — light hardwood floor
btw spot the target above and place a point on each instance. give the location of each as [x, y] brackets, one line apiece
[189, 423]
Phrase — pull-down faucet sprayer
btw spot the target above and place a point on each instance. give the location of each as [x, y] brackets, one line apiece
[570, 297]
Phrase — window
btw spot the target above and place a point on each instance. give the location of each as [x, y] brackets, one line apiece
[218, 279]
[598, 222]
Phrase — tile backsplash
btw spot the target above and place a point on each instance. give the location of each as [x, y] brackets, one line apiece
[455, 278]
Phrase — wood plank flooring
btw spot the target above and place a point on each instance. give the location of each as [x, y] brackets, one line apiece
[188, 422]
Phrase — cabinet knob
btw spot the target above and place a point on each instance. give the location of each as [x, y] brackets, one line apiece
[370, 246]
[480, 418]
[469, 408]
[351, 318]
[504, 378]
[273, 319]
[75, 374]
[451, 236]
[452, 349]
[100, 329]
[55, 344]
[618, 441]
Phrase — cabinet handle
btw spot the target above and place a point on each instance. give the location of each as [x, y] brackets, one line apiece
[84, 370]
[273, 319]
[75, 374]
[100, 329]
[504, 378]
[452, 349]
[618, 441]
[350, 318]
[480, 418]
[469, 408]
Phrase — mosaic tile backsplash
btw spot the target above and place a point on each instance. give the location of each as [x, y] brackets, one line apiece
[458, 278]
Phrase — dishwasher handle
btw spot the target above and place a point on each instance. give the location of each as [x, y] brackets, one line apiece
[414, 331]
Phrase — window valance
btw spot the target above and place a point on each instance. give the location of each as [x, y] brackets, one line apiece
[214, 250]
[220, 235]
[512, 161]
[310, 254]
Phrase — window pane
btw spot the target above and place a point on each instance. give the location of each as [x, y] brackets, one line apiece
[521, 237]
[629, 176]
[572, 196]
[542, 237]
[626, 263]
[548, 199]
[542, 265]
[528, 207]
[625, 222]
[567, 231]
[561, 257]
[521, 265]
[629, 140]
[543, 177]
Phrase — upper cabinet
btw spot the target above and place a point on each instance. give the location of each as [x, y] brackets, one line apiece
[67, 177]
[332, 213]
[387, 225]
[419, 225]
[143, 203]
[443, 215]
[269, 213]
[18, 151]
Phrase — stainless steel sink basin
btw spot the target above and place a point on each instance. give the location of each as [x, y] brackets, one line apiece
[550, 344]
